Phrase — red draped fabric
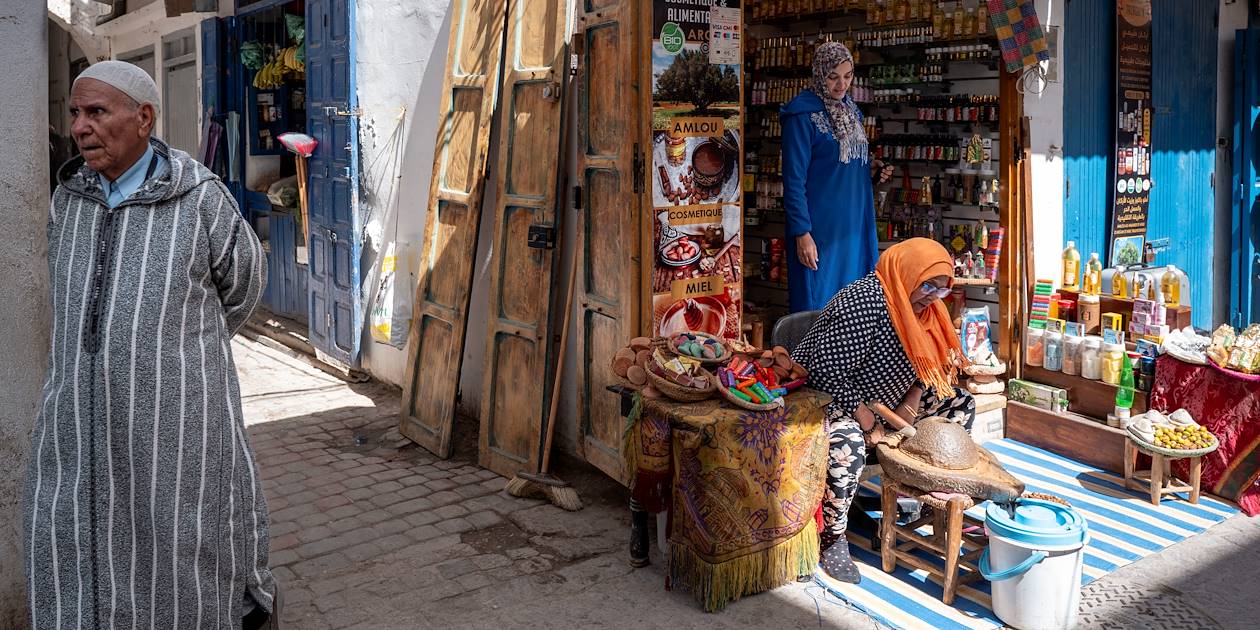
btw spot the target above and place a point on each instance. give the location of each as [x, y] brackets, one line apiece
[1229, 406]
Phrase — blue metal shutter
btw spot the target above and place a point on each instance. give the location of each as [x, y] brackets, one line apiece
[1183, 133]
[1244, 296]
[1089, 95]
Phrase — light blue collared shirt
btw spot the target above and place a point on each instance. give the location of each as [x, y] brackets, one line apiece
[129, 182]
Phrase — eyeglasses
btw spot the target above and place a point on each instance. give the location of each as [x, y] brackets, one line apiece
[927, 288]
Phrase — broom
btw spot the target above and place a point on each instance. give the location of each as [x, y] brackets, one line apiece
[525, 484]
[302, 146]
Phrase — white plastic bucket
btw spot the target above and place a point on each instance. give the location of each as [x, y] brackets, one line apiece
[1034, 561]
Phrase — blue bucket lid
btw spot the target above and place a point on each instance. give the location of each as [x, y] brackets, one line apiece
[1037, 522]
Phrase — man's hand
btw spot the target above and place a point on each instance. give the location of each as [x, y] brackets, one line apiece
[807, 251]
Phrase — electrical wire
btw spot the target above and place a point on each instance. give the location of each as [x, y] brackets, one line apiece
[1039, 72]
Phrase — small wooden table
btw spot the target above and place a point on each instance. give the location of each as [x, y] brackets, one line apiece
[948, 518]
[1159, 479]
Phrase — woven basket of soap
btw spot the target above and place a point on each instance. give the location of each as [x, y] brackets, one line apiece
[680, 378]
[629, 364]
[703, 347]
[759, 380]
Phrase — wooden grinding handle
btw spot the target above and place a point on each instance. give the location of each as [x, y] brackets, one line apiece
[895, 421]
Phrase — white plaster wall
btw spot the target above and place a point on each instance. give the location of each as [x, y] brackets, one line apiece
[401, 57]
[1233, 16]
[24, 307]
[147, 26]
[1045, 113]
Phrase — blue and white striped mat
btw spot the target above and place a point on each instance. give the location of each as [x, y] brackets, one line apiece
[1123, 526]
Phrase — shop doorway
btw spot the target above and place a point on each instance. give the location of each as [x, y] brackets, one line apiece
[313, 275]
[179, 87]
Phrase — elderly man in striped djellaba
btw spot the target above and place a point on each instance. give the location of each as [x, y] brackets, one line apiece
[144, 507]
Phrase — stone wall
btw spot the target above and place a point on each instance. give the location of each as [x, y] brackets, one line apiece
[24, 283]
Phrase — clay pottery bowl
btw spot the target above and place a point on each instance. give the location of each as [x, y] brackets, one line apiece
[711, 163]
[672, 243]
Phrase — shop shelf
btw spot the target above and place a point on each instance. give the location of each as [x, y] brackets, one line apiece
[1177, 318]
[1086, 397]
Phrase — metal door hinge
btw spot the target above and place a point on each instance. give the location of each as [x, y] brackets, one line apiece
[542, 237]
[638, 169]
[327, 323]
[1067, 188]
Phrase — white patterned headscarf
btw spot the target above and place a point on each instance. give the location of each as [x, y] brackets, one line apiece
[845, 118]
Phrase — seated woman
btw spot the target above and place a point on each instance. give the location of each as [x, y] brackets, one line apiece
[885, 338]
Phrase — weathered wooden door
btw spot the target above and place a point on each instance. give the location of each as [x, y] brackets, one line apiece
[519, 363]
[435, 346]
[610, 225]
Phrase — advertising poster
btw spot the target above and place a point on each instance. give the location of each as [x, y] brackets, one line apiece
[1133, 131]
[697, 270]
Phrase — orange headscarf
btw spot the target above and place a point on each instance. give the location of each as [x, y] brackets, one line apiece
[928, 338]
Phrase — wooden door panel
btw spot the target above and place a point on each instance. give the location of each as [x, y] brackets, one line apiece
[516, 391]
[435, 346]
[609, 226]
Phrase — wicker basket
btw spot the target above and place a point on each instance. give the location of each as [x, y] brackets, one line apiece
[1151, 449]
[740, 402]
[722, 358]
[677, 392]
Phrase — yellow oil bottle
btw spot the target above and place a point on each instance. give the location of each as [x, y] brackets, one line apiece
[1170, 286]
[1071, 267]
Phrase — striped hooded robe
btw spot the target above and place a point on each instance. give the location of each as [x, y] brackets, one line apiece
[144, 507]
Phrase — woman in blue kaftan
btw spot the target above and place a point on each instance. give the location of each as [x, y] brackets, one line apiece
[827, 191]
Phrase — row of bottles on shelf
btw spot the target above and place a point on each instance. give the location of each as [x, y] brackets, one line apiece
[772, 9]
[797, 52]
[779, 91]
[947, 107]
[1134, 282]
[967, 109]
[974, 189]
[771, 129]
[957, 19]
[931, 147]
[901, 73]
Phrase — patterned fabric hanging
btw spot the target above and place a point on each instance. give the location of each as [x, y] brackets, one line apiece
[1019, 33]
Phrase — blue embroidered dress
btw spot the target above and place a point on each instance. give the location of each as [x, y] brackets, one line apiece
[829, 199]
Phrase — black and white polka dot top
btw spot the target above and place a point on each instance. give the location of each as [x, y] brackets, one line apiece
[853, 353]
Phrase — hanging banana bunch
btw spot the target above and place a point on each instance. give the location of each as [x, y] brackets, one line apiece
[286, 62]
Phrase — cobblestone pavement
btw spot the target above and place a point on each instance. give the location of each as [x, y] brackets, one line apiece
[370, 531]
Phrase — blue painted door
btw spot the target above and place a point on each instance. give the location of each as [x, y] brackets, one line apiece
[334, 227]
[1244, 295]
[1089, 94]
[1183, 134]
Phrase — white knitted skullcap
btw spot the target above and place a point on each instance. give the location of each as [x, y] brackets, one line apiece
[128, 78]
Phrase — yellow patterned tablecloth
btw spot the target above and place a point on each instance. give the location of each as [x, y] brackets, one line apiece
[741, 488]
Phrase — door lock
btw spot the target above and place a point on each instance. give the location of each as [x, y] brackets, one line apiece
[552, 92]
[541, 237]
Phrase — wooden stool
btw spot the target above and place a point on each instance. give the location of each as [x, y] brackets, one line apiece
[898, 542]
[1159, 479]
